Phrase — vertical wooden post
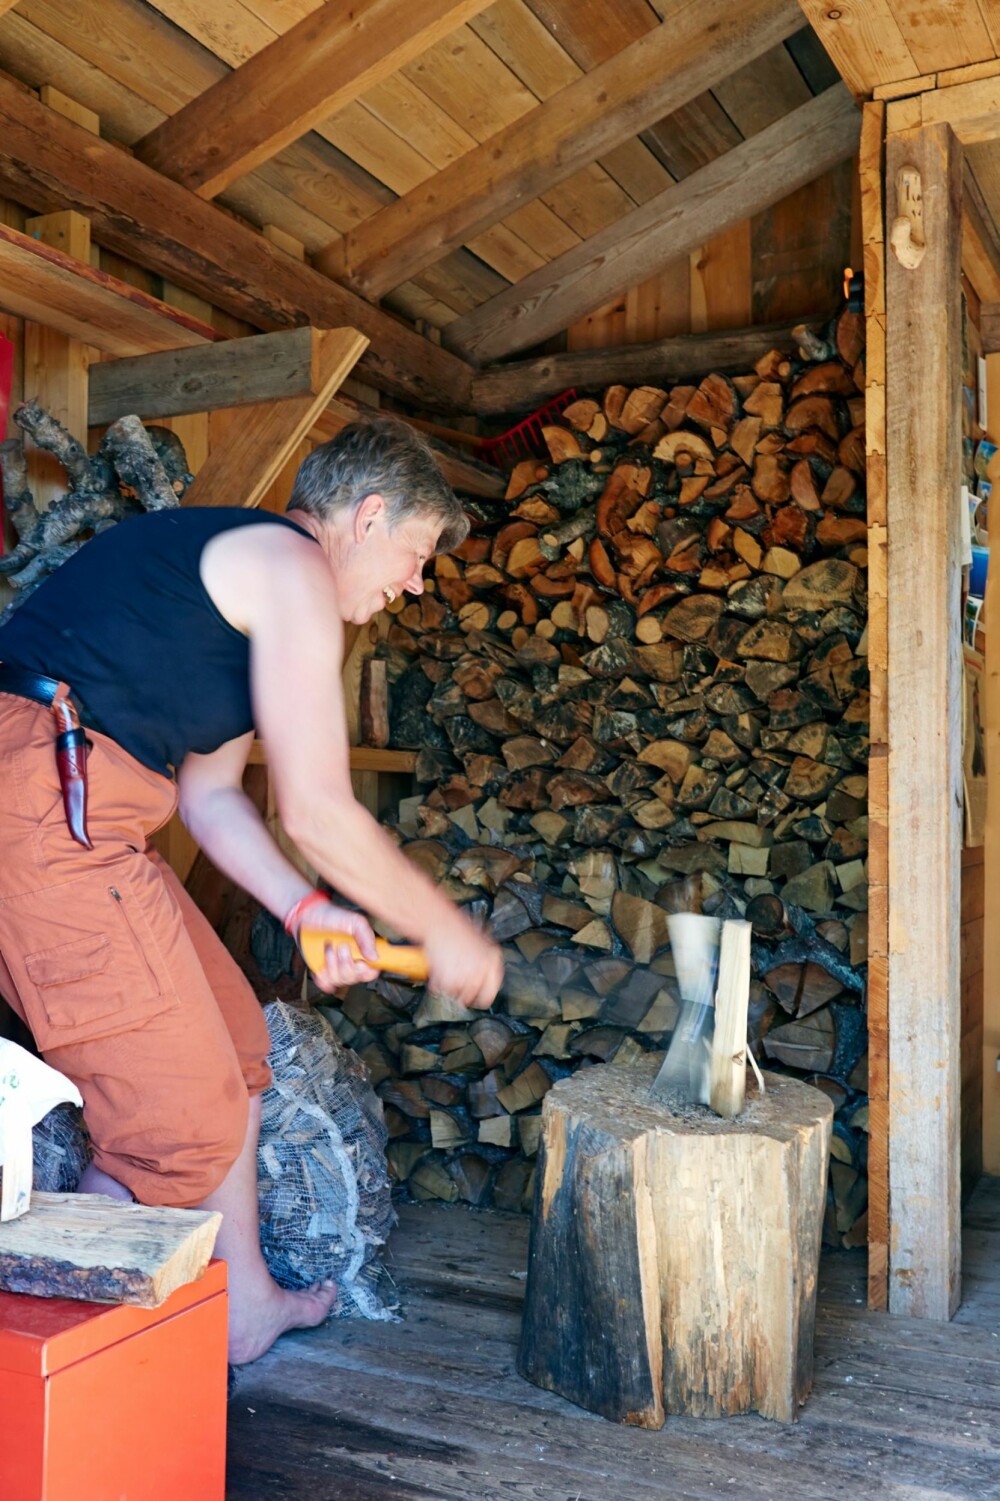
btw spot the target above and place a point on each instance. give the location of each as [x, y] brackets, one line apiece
[870, 181]
[924, 428]
[55, 366]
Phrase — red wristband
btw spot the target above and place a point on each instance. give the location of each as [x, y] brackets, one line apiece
[295, 913]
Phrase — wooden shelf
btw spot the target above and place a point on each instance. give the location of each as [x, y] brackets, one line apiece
[363, 758]
[49, 287]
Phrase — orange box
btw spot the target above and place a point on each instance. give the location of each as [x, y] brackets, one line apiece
[103, 1402]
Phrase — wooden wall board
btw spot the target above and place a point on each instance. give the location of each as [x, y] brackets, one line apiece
[235, 372]
[923, 331]
[800, 247]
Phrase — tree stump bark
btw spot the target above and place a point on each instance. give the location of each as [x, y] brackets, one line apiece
[674, 1254]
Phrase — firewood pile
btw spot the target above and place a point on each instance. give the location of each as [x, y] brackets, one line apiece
[639, 687]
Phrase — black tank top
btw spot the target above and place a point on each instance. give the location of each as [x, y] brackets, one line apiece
[129, 625]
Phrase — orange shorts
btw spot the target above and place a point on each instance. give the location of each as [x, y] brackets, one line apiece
[123, 983]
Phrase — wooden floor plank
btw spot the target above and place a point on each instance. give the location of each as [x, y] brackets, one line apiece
[432, 1407]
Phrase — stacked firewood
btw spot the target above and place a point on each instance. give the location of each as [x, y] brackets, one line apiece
[640, 687]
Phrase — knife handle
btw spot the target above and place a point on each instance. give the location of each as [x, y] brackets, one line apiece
[394, 958]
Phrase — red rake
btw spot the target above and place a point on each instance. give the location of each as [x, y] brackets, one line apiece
[525, 441]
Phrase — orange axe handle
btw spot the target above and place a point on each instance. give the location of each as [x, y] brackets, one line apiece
[394, 958]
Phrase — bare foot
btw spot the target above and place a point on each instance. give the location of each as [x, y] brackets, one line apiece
[256, 1324]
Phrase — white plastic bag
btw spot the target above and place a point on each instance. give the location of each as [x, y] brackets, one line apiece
[29, 1089]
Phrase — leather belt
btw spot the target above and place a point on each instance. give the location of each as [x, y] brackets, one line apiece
[71, 739]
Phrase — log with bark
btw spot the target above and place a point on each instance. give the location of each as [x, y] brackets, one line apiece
[134, 469]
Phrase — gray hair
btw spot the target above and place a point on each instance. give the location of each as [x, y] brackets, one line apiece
[380, 456]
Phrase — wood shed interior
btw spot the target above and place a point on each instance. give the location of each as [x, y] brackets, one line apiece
[629, 269]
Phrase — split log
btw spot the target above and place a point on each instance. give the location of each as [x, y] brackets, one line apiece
[95, 1248]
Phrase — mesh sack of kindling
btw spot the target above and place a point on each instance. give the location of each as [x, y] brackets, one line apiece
[60, 1149]
[322, 1177]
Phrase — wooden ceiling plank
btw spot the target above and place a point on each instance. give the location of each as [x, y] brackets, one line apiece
[761, 92]
[694, 135]
[650, 78]
[122, 40]
[240, 469]
[592, 31]
[35, 57]
[528, 48]
[48, 163]
[521, 386]
[41, 283]
[946, 34]
[990, 11]
[463, 77]
[745, 181]
[864, 41]
[327, 60]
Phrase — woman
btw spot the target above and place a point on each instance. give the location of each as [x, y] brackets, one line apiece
[174, 637]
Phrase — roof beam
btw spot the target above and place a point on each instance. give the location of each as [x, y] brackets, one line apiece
[321, 65]
[47, 162]
[234, 373]
[790, 153]
[517, 387]
[702, 42]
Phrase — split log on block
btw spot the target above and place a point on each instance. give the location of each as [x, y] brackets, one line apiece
[95, 1248]
[658, 1282]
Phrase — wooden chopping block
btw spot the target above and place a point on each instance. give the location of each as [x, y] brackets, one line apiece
[674, 1254]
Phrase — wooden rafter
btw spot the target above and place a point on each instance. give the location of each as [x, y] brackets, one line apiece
[47, 162]
[321, 65]
[520, 386]
[236, 372]
[701, 43]
[788, 154]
